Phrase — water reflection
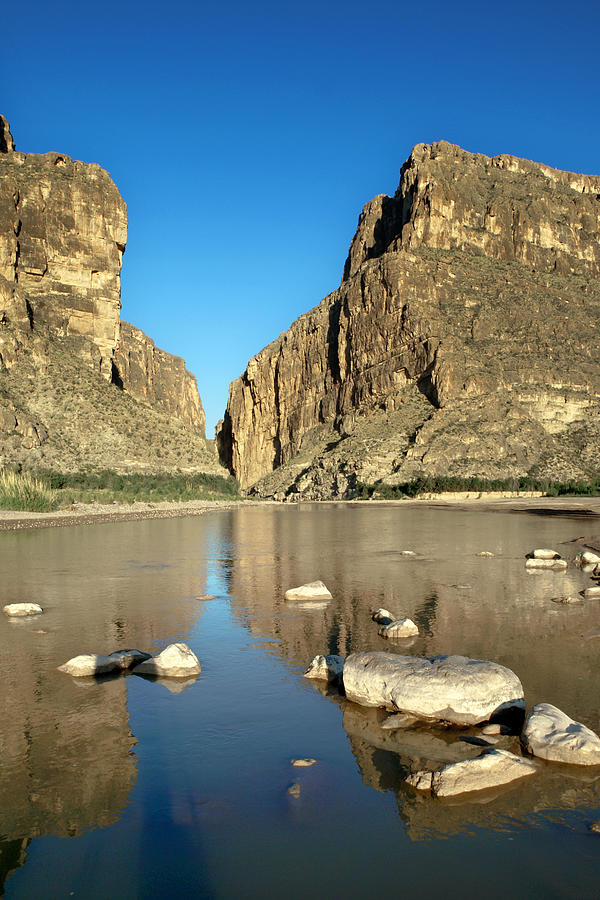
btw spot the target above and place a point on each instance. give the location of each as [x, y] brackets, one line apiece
[66, 747]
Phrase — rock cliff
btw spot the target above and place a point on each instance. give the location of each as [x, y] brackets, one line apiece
[459, 342]
[73, 378]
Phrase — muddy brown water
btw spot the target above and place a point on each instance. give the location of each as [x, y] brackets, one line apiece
[126, 786]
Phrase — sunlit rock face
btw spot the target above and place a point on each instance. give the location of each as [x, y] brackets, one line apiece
[457, 343]
[63, 230]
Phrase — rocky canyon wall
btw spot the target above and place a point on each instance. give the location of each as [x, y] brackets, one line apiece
[72, 375]
[459, 341]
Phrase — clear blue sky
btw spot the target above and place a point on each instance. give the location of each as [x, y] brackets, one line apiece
[246, 137]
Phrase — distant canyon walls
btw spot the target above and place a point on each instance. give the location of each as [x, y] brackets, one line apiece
[459, 342]
[63, 231]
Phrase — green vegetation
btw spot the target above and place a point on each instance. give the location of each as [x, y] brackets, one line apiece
[437, 484]
[110, 487]
[26, 492]
[46, 490]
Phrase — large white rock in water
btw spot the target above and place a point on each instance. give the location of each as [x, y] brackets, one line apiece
[399, 628]
[543, 554]
[175, 661]
[452, 689]
[22, 609]
[96, 664]
[551, 734]
[326, 668]
[592, 592]
[533, 563]
[587, 558]
[316, 590]
[383, 616]
[491, 769]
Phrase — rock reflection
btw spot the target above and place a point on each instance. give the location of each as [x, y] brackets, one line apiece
[385, 758]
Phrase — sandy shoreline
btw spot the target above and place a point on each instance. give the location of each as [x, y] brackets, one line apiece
[95, 514]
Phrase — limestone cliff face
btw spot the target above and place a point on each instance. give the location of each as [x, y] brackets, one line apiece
[62, 237]
[64, 353]
[148, 372]
[458, 342]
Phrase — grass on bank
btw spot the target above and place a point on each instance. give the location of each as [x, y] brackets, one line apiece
[26, 492]
[47, 490]
[438, 484]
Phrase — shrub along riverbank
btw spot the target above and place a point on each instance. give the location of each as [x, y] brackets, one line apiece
[439, 484]
[46, 491]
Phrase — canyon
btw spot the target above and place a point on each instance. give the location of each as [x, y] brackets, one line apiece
[461, 340]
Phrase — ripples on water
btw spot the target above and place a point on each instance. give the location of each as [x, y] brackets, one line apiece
[128, 786]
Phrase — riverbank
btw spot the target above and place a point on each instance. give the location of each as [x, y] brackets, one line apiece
[97, 513]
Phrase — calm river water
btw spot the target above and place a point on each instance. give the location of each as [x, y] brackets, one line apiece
[130, 787]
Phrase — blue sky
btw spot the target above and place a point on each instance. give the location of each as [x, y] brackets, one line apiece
[246, 138]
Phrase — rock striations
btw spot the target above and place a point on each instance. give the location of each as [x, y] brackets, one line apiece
[461, 340]
[77, 385]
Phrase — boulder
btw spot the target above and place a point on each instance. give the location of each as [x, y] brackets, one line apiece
[452, 689]
[303, 763]
[543, 554]
[550, 734]
[400, 628]
[383, 616]
[587, 558]
[96, 664]
[592, 592]
[316, 590]
[22, 609]
[326, 668]
[175, 661]
[491, 769]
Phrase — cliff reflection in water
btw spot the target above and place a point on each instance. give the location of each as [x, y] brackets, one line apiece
[66, 748]
[479, 607]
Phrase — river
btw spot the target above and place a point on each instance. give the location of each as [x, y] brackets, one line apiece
[129, 787]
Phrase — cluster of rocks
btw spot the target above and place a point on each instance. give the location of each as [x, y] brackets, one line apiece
[175, 661]
[461, 692]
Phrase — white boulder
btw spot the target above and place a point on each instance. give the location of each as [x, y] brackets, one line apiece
[550, 734]
[491, 769]
[400, 628]
[592, 592]
[316, 590]
[543, 554]
[587, 558]
[383, 616]
[326, 668]
[22, 609]
[452, 689]
[96, 664]
[175, 661]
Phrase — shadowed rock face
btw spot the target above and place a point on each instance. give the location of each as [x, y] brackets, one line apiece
[458, 342]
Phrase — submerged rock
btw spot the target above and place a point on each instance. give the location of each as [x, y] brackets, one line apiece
[326, 668]
[97, 664]
[400, 628]
[447, 688]
[175, 661]
[536, 563]
[550, 734]
[487, 554]
[491, 769]
[18, 610]
[398, 720]
[294, 790]
[316, 590]
[568, 599]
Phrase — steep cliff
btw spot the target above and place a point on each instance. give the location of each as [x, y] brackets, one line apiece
[459, 342]
[77, 385]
